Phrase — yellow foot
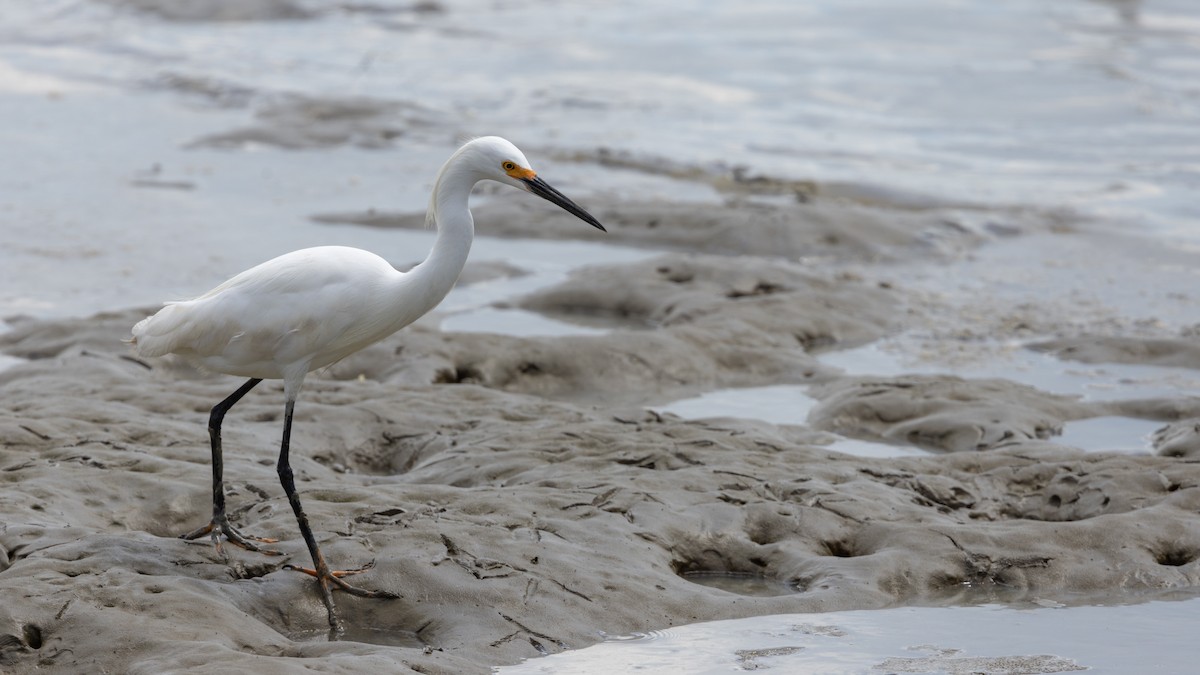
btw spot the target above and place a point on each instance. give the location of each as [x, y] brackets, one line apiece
[335, 577]
[330, 579]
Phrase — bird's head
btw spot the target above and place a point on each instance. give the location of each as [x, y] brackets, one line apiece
[497, 159]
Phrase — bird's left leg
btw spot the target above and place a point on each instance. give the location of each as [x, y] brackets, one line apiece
[327, 578]
[220, 522]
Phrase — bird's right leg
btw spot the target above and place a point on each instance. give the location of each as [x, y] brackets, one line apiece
[327, 578]
[220, 522]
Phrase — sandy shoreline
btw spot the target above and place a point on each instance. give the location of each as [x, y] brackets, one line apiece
[521, 498]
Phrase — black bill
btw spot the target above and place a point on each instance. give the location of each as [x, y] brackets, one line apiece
[542, 189]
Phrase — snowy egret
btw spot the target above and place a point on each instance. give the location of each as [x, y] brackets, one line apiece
[307, 309]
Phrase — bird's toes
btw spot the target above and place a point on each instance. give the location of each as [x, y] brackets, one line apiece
[357, 570]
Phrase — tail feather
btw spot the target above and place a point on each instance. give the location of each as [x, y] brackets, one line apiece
[156, 335]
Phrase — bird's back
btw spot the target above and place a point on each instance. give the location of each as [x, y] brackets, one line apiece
[303, 308]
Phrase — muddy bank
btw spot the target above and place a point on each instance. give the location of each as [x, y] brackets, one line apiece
[945, 413]
[518, 496]
[679, 324]
[512, 524]
[1171, 352]
[1180, 439]
[295, 122]
[838, 227]
[221, 10]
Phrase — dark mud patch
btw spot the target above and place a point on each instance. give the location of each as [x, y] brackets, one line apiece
[1179, 353]
[203, 11]
[301, 122]
[833, 230]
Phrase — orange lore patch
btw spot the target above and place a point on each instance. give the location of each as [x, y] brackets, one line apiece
[521, 173]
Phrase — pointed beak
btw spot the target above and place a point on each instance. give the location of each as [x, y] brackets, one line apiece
[542, 189]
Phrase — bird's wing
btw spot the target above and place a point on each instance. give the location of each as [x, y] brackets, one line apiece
[278, 311]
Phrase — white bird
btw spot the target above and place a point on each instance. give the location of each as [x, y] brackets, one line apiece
[307, 309]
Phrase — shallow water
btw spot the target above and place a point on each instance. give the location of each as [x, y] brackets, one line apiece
[9, 361]
[1081, 103]
[1043, 371]
[1110, 433]
[778, 404]
[991, 638]
[512, 322]
[790, 404]
[111, 103]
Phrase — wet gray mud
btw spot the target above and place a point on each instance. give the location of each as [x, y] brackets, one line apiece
[521, 498]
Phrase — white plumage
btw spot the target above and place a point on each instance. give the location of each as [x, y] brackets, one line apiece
[288, 316]
[307, 309]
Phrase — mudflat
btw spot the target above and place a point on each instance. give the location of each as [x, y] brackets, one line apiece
[522, 494]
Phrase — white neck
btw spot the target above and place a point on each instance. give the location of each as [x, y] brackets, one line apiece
[429, 282]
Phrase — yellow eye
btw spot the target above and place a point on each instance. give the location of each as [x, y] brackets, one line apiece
[514, 170]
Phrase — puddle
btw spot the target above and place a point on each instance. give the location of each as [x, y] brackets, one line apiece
[516, 322]
[778, 404]
[992, 638]
[742, 584]
[790, 404]
[1110, 434]
[869, 359]
[483, 307]
[7, 362]
[859, 448]
[547, 262]
[1102, 382]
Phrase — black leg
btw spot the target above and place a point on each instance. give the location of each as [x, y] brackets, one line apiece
[320, 570]
[220, 523]
[214, 436]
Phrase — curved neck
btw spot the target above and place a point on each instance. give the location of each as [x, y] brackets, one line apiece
[430, 281]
